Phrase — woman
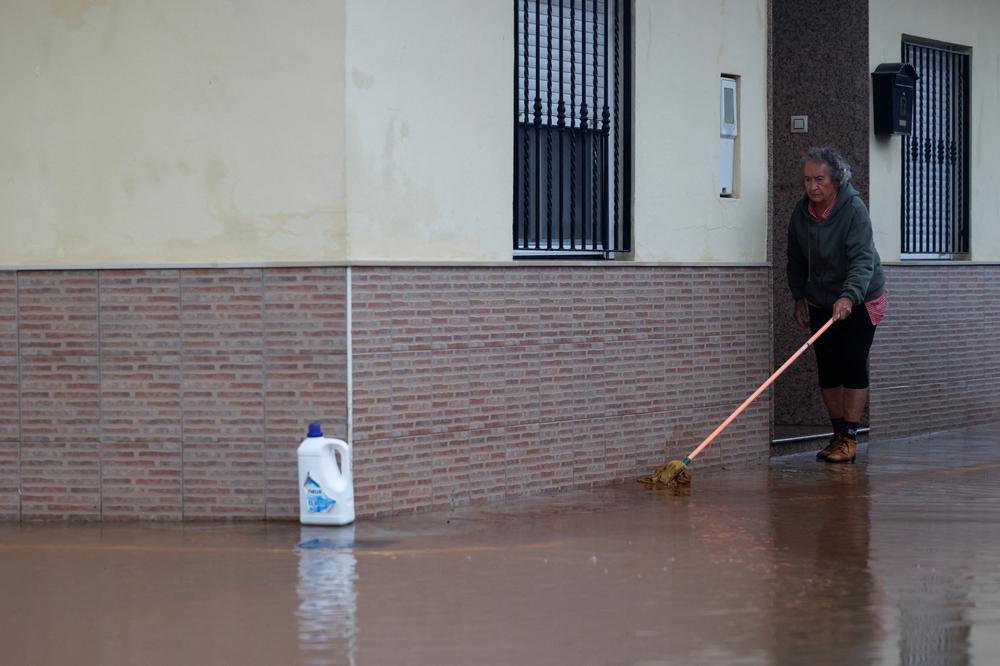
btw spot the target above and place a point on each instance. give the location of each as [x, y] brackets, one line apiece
[835, 271]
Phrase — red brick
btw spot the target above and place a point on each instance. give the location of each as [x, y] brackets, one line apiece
[142, 480]
[470, 384]
[935, 359]
[10, 481]
[58, 485]
[59, 383]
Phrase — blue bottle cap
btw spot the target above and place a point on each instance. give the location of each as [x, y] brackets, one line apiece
[315, 430]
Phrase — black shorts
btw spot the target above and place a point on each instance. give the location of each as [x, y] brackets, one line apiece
[842, 352]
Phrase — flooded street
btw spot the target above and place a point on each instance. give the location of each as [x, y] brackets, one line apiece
[892, 560]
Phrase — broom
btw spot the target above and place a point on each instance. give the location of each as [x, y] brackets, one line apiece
[675, 472]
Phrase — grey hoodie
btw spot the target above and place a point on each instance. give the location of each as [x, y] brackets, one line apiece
[835, 257]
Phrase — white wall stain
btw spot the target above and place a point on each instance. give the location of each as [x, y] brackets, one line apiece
[75, 12]
[430, 162]
[361, 79]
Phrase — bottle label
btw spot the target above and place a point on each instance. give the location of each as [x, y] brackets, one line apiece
[316, 499]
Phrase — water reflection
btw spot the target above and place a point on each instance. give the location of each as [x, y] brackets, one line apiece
[328, 601]
[934, 625]
[823, 595]
[932, 539]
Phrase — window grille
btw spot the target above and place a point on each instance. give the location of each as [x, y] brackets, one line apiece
[572, 127]
[935, 190]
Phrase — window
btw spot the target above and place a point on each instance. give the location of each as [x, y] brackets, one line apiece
[935, 191]
[572, 128]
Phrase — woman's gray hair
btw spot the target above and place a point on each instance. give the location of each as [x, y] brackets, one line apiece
[840, 170]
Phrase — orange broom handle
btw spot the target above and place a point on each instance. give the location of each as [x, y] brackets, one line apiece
[753, 396]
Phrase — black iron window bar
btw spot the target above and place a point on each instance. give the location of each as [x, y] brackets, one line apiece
[572, 127]
[935, 187]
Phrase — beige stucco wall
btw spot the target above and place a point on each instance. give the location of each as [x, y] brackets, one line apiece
[189, 131]
[430, 129]
[971, 23]
[204, 131]
[682, 48]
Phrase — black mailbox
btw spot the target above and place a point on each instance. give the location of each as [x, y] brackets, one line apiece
[894, 87]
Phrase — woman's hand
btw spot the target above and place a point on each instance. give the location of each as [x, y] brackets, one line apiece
[802, 313]
[842, 309]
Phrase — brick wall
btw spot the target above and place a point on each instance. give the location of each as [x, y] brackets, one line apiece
[59, 394]
[165, 394]
[484, 383]
[936, 357]
[182, 394]
[141, 380]
[10, 429]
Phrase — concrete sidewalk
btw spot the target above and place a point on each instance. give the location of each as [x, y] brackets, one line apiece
[894, 559]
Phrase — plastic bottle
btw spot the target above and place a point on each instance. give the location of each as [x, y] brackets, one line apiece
[326, 489]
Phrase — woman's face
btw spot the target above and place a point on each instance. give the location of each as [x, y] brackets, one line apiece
[820, 188]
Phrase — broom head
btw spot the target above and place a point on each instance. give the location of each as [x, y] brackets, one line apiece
[673, 473]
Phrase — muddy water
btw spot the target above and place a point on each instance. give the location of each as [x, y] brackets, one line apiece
[892, 560]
